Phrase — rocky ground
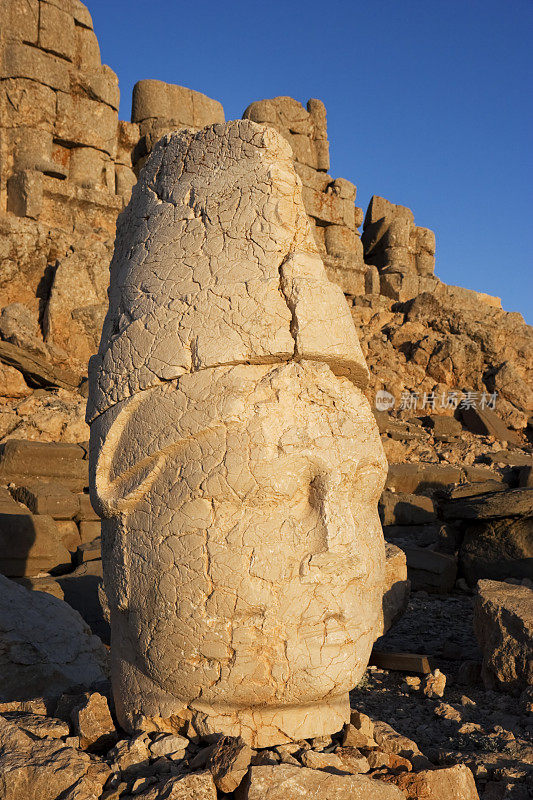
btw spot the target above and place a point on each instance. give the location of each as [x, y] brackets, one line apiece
[458, 721]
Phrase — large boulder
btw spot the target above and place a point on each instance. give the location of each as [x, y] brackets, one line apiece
[288, 782]
[32, 768]
[503, 623]
[497, 549]
[45, 646]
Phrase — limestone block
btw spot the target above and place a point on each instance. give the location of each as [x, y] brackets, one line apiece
[503, 624]
[303, 149]
[69, 535]
[32, 149]
[83, 121]
[288, 782]
[80, 13]
[128, 136]
[429, 571]
[340, 239]
[125, 180]
[42, 497]
[20, 19]
[312, 178]
[317, 110]
[20, 460]
[236, 469]
[76, 306]
[29, 544]
[350, 281]
[344, 189]
[397, 587]
[98, 83]
[12, 383]
[87, 49]
[399, 508]
[372, 281]
[25, 194]
[88, 168]
[498, 549]
[46, 648]
[329, 208]
[57, 32]
[22, 61]
[26, 103]
[184, 107]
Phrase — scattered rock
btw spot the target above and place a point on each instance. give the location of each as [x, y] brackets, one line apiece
[229, 762]
[198, 786]
[503, 623]
[352, 760]
[450, 783]
[169, 745]
[434, 684]
[36, 769]
[93, 723]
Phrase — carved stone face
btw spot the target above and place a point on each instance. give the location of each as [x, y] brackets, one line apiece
[243, 544]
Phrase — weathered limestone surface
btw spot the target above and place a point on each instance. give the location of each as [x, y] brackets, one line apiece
[234, 458]
[329, 203]
[503, 623]
[45, 646]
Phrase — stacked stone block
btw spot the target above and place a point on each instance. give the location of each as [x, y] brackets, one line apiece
[159, 108]
[46, 518]
[329, 203]
[402, 252]
[59, 118]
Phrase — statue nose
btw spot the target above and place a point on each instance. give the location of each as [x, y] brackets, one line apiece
[334, 504]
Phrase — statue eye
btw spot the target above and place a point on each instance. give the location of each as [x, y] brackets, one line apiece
[121, 495]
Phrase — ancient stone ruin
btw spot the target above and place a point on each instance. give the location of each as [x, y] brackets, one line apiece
[235, 460]
[276, 453]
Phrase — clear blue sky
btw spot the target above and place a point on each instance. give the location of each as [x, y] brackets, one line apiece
[429, 103]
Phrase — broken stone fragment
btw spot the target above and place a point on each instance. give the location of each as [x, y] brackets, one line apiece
[286, 782]
[229, 762]
[93, 723]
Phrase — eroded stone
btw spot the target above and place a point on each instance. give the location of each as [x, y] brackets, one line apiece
[235, 463]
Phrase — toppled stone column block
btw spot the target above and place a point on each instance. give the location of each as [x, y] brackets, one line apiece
[234, 458]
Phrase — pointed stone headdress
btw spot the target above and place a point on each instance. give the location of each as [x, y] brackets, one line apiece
[208, 270]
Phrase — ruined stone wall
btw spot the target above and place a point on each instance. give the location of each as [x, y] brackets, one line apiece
[330, 203]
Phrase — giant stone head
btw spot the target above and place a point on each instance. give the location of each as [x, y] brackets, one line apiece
[234, 458]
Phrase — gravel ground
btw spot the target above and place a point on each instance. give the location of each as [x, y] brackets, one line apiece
[490, 732]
